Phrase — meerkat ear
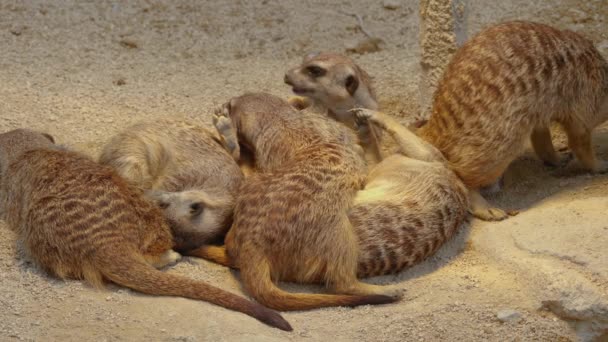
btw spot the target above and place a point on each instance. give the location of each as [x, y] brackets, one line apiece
[50, 137]
[311, 55]
[351, 84]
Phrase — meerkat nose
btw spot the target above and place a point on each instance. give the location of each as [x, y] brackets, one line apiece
[287, 79]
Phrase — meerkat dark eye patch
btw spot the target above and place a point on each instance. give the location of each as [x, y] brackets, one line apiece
[163, 205]
[196, 208]
[351, 83]
[315, 71]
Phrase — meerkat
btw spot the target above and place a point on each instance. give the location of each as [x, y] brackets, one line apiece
[504, 85]
[411, 205]
[188, 170]
[78, 219]
[290, 219]
[507, 84]
[412, 202]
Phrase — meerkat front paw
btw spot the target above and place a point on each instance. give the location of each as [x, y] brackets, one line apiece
[168, 258]
[224, 126]
[171, 257]
[361, 118]
[221, 118]
[299, 102]
[362, 115]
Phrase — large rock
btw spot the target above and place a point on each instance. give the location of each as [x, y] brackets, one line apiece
[564, 261]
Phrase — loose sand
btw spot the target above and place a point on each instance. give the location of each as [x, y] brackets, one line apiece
[84, 70]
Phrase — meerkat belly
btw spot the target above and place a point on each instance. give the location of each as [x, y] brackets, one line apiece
[376, 192]
[401, 223]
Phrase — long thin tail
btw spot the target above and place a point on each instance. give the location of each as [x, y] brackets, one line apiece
[133, 272]
[256, 278]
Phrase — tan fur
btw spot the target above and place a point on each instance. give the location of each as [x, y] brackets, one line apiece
[506, 85]
[187, 167]
[78, 219]
[335, 82]
[411, 205]
[290, 219]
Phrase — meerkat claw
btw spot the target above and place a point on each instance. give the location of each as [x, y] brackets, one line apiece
[362, 116]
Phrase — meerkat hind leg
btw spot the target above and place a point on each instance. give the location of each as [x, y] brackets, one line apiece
[227, 132]
[368, 139]
[376, 136]
[299, 102]
[579, 140]
[481, 209]
[410, 144]
[543, 146]
[167, 258]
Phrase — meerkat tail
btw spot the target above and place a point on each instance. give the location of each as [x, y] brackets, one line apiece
[256, 278]
[133, 272]
[216, 254]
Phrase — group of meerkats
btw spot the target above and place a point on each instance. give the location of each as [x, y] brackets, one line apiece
[303, 195]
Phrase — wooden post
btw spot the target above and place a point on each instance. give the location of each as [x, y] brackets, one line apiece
[442, 31]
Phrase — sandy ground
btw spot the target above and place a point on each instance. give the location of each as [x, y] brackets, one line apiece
[83, 70]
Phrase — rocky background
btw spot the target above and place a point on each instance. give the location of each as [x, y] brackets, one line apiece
[83, 70]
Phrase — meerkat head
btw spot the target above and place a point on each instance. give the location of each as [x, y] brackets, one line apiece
[332, 80]
[18, 141]
[195, 216]
[252, 113]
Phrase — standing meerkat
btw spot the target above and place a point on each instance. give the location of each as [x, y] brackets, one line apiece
[506, 85]
[78, 219]
[411, 205]
[186, 170]
[290, 219]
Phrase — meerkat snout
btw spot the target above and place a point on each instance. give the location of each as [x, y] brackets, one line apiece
[287, 78]
[305, 80]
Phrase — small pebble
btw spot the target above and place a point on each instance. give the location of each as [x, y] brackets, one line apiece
[508, 315]
[391, 4]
